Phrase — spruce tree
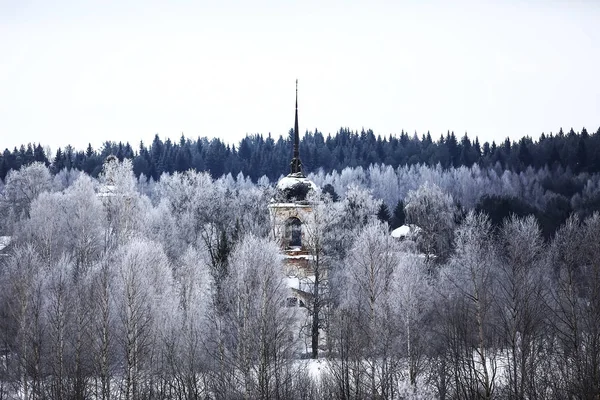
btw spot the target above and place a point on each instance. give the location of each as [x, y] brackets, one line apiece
[399, 217]
[383, 214]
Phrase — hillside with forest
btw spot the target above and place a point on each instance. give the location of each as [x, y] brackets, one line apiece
[549, 178]
[155, 274]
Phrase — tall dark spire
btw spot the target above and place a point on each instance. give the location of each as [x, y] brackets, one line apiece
[296, 163]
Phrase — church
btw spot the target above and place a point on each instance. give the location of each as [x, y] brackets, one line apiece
[290, 212]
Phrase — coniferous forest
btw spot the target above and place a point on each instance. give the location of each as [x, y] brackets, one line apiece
[154, 274]
[257, 155]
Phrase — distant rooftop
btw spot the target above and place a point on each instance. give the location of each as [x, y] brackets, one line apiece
[4, 242]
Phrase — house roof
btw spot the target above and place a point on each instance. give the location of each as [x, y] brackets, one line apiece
[4, 242]
[405, 230]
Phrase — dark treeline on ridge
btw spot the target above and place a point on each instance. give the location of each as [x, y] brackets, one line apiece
[257, 155]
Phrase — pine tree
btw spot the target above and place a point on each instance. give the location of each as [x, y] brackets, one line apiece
[399, 217]
[329, 189]
[524, 154]
[59, 160]
[554, 160]
[39, 155]
[581, 160]
[383, 213]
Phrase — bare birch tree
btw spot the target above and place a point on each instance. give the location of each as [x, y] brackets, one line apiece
[521, 291]
[257, 343]
[368, 329]
[470, 283]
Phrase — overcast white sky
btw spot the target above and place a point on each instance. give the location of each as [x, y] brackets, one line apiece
[88, 71]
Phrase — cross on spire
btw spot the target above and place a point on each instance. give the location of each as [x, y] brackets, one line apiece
[296, 163]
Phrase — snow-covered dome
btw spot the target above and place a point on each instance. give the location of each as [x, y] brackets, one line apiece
[294, 187]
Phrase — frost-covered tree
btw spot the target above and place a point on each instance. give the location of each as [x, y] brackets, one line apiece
[434, 212]
[320, 234]
[254, 341]
[65, 178]
[358, 209]
[468, 285]
[384, 183]
[247, 209]
[365, 330]
[71, 222]
[85, 223]
[22, 187]
[412, 300]
[143, 295]
[58, 307]
[23, 300]
[160, 225]
[103, 322]
[191, 197]
[575, 301]
[121, 201]
[46, 226]
[521, 293]
[187, 358]
[589, 367]
[200, 212]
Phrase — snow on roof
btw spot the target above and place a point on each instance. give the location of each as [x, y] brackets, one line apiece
[293, 282]
[4, 241]
[107, 191]
[301, 257]
[287, 205]
[111, 191]
[401, 231]
[289, 181]
[304, 284]
[293, 189]
[405, 230]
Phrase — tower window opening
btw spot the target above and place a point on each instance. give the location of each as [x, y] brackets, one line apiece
[293, 232]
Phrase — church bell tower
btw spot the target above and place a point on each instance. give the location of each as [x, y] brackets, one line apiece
[290, 210]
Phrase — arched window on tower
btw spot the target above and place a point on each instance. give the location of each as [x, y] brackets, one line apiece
[293, 232]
